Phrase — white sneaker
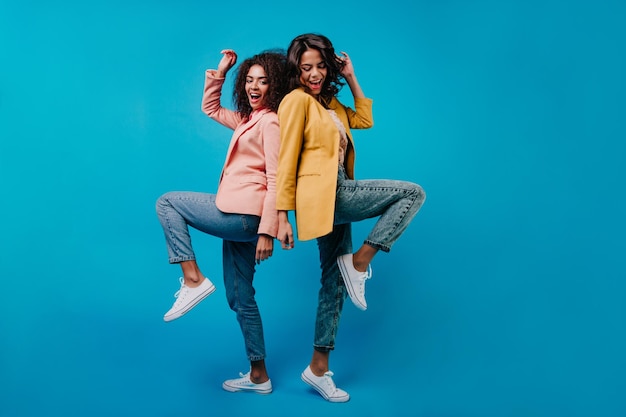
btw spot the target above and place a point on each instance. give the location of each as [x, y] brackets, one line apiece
[187, 298]
[325, 386]
[245, 384]
[354, 280]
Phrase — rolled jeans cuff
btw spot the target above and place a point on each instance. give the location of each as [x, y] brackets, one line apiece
[378, 246]
[179, 259]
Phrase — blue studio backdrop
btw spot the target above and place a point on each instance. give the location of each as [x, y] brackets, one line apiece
[505, 296]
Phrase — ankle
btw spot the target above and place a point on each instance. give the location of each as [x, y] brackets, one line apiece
[193, 281]
[259, 378]
[359, 264]
[318, 369]
[362, 258]
[258, 373]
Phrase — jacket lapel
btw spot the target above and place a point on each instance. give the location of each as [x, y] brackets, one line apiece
[239, 131]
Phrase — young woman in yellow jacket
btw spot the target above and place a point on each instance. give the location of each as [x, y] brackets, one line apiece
[315, 178]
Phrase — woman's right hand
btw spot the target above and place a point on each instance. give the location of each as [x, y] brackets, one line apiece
[285, 231]
[229, 59]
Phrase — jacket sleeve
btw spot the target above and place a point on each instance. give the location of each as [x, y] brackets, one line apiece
[291, 116]
[362, 117]
[270, 136]
[211, 104]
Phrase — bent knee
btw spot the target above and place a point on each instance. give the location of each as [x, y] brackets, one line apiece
[164, 199]
[418, 191]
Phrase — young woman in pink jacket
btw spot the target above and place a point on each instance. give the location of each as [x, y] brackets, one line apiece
[316, 179]
[243, 212]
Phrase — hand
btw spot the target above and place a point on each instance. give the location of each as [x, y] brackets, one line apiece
[227, 62]
[285, 231]
[264, 248]
[347, 69]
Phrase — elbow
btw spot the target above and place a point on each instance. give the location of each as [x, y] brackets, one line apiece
[206, 109]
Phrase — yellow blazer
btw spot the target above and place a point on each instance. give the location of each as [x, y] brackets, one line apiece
[308, 160]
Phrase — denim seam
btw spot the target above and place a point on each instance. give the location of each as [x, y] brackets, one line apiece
[170, 229]
[406, 208]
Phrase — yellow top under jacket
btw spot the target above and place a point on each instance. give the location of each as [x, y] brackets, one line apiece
[308, 159]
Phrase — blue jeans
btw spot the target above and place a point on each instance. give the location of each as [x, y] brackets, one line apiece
[177, 211]
[395, 203]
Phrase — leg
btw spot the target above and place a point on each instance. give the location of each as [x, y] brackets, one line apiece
[179, 210]
[332, 292]
[330, 304]
[396, 202]
[239, 268]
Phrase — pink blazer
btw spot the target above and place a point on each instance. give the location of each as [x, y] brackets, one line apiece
[248, 181]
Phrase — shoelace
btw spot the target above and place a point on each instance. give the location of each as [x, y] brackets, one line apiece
[365, 276]
[182, 286]
[368, 272]
[245, 379]
[329, 381]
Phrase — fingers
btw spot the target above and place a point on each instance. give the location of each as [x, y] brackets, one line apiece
[262, 255]
[343, 58]
[264, 248]
[285, 232]
[230, 54]
[287, 242]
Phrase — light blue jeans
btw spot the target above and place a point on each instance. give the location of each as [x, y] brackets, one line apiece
[395, 203]
[177, 211]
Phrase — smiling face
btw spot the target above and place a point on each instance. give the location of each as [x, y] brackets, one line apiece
[257, 86]
[313, 71]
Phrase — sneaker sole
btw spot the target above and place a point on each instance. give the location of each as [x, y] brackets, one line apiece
[240, 389]
[343, 270]
[191, 305]
[322, 392]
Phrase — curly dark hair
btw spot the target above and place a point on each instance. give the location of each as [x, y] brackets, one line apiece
[273, 63]
[302, 43]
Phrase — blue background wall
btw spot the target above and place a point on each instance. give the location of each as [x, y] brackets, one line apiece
[505, 297]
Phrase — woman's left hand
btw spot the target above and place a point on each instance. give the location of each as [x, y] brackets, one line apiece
[347, 70]
[264, 248]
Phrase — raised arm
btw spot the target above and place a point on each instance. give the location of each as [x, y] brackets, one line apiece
[211, 99]
[350, 76]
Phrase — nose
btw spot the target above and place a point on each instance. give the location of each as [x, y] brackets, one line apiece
[254, 85]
